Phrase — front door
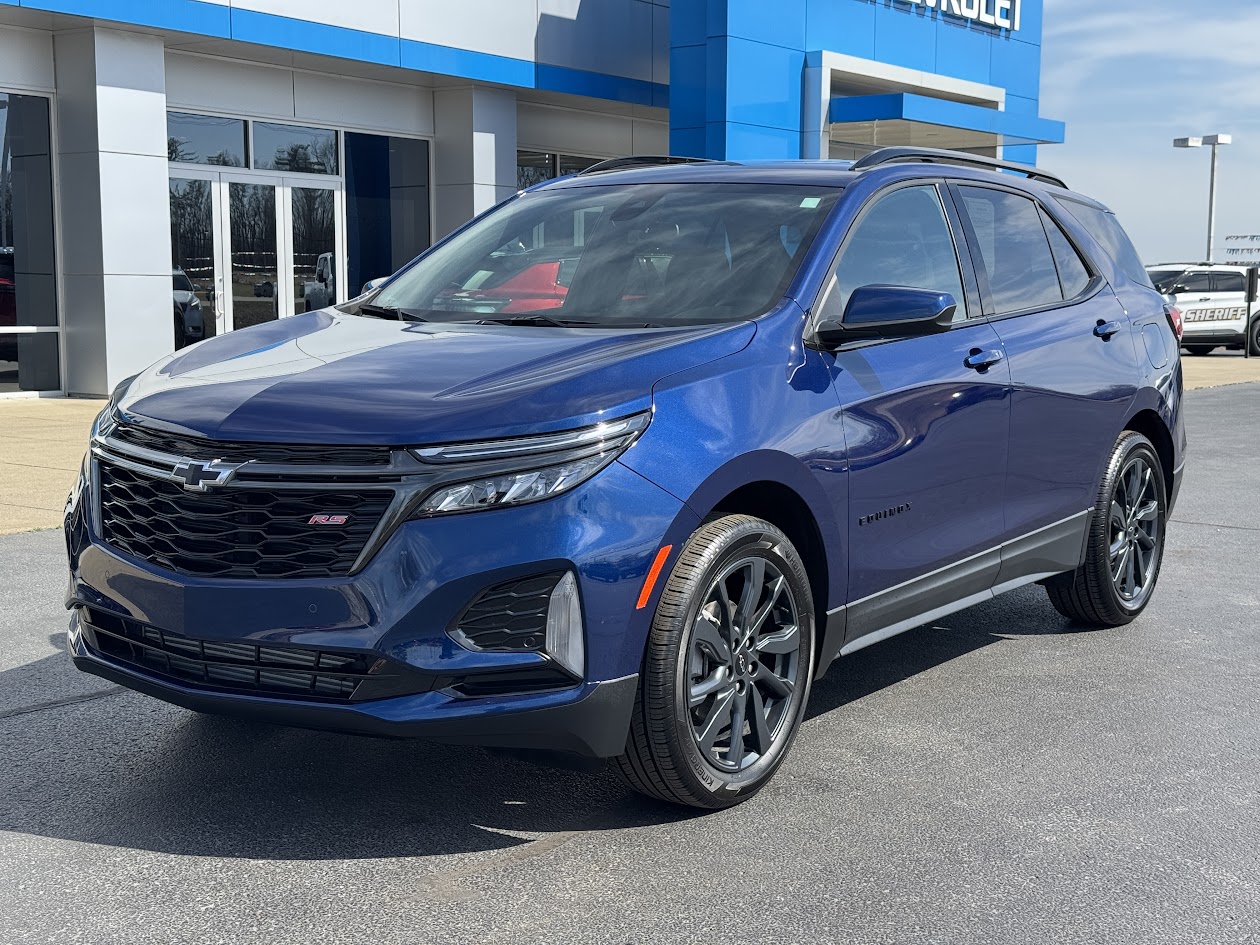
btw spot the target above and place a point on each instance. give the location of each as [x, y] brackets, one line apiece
[926, 423]
[253, 248]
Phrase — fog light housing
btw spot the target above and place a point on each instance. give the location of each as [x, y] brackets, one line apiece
[565, 639]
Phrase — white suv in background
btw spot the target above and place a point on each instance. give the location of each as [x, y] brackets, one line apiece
[1213, 303]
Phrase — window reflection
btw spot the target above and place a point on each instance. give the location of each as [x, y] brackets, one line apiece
[314, 249]
[205, 139]
[252, 210]
[295, 148]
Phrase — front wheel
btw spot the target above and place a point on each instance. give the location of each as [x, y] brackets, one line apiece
[727, 671]
[1253, 338]
[1126, 541]
[1200, 350]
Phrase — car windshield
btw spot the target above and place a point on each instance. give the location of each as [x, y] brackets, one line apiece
[1165, 279]
[182, 282]
[643, 255]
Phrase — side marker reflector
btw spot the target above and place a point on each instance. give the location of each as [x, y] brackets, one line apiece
[653, 573]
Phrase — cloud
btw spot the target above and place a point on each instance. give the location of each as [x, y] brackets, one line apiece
[1130, 78]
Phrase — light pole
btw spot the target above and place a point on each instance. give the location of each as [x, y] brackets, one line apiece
[1214, 142]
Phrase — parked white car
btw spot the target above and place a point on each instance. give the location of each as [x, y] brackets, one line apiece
[1213, 303]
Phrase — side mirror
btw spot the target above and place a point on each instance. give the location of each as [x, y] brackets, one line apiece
[197, 287]
[889, 311]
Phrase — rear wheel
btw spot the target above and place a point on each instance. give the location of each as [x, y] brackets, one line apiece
[1200, 349]
[1126, 541]
[1253, 338]
[728, 667]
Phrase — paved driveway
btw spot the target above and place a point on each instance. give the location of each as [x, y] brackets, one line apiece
[1000, 778]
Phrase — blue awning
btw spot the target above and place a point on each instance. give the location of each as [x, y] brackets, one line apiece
[1009, 127]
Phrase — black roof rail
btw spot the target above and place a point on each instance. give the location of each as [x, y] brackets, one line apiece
[643, 160]
[961, 158]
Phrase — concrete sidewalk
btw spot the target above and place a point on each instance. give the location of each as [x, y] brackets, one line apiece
[42, 443]
[41, 446]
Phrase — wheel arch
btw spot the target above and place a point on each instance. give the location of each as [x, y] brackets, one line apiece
[1151, 425]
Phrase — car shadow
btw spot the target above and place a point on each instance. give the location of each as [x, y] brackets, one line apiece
[124, 770]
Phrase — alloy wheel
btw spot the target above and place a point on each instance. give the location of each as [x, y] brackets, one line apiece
[743, 664]
[1134, 535]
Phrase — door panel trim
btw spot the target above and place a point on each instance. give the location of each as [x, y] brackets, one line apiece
[1039, 554]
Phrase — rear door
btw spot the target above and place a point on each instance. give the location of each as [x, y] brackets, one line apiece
[926, 434]
[1073, 367]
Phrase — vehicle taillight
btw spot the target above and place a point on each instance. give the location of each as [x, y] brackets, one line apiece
[1175, 320]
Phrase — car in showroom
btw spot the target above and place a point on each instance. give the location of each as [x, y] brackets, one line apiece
[1215, 306]
[191, 323]
[779, 412]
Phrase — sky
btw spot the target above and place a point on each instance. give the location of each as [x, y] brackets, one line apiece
[1128, 76]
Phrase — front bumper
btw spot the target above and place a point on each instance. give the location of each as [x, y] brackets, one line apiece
[590, 720]
[400, 608]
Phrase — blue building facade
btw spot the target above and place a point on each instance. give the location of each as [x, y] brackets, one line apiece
[273, 155]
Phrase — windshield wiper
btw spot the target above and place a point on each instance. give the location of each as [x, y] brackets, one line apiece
[394, 314]
[537, 318]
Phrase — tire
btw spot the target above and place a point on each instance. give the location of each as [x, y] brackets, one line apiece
[1253, 338]
[181, 339]
[1127, 528]
[1200, 349]
[689, 652]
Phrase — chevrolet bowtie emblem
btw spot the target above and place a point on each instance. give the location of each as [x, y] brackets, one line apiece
[196, 476]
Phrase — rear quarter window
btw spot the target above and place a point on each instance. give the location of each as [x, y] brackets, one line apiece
[1106, 229]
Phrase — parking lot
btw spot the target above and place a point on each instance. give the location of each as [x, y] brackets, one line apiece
[1002, 777]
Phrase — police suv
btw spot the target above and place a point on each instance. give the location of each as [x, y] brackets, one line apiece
[1217, 307]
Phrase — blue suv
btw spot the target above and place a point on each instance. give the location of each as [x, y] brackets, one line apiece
[622, 466]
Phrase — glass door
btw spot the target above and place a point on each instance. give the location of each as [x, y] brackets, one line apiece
[251, 248]
[315, 251]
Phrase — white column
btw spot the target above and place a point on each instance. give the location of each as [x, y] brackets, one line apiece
[114, 210]
[816, 133]
[474, 153]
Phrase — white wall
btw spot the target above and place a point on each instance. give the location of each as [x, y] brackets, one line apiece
[542, 127]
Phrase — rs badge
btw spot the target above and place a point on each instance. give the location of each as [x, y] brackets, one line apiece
[328, 520]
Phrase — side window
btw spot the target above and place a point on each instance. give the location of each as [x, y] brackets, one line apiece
[1106, 229]
[1013, 248]
[1073, 275]
[1196, 282]
[903, 240]
[1229, 282]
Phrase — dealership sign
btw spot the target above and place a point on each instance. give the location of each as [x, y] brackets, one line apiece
[1004, 14]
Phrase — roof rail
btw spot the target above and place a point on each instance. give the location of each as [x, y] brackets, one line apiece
[642, 160]
[961, 158]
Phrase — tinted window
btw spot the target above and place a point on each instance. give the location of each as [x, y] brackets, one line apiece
[28, 286]
[1165, 279]
[294, 148]
[1073, 274]
[1106, 229]
[205, 139]
[649, 254]
[1195, 282]
[903, 240]
[387, 205]
[1229, 282]
[1013, 249]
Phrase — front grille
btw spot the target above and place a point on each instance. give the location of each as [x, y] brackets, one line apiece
[191, 447]
[510, 616]
[287, 671]
[236, 533]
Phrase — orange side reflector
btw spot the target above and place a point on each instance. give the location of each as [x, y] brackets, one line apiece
[655, 572]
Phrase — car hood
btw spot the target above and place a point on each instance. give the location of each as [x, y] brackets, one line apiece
[183, 296]
[324, 377]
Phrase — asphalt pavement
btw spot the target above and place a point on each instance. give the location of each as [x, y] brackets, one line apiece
[1003, 777]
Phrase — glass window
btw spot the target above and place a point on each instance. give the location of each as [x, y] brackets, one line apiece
[534, 167]
[192, 263]
[294, 148]
[1105, 228]
[28, 282]
[1195, 282]
[632, 256]
[571, 163]
[28, 362]
[314, 248]
[1165, 279]
[903, 240]
[205, 139]
[387, 204]
[1013, 249]
[1074, 276]
[1229, 282]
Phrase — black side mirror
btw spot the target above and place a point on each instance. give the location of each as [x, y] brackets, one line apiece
[889, 311]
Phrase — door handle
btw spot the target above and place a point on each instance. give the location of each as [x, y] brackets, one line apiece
[1105, 330]
[1206, 298]
[980, 360]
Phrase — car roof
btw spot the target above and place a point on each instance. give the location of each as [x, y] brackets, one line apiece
[817, 173]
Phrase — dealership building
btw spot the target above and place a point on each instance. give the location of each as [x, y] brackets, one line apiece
[251, 159]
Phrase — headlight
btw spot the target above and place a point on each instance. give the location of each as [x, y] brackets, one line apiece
[194, 302]
[539, 466]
